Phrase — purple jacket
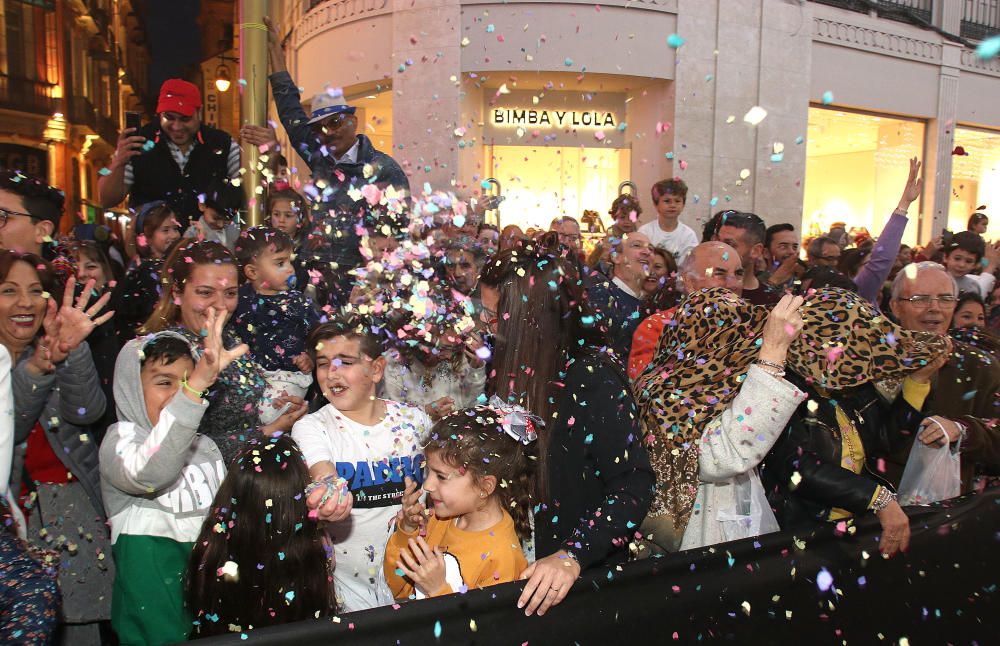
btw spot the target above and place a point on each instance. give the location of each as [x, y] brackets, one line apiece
[872, 276]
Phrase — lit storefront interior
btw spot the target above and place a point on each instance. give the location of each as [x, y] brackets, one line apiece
[374, 112]
[975, 178]
[558, 144]
[541, 183]
[856, 166]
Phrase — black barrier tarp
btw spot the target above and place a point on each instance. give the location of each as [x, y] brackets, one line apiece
[757, 591]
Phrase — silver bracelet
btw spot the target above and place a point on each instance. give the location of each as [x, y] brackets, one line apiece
[771, 364]
[882, 500]
[771, 368]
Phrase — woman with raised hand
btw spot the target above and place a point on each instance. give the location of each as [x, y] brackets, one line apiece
[57, 394]
[828, 424]
[200, 277]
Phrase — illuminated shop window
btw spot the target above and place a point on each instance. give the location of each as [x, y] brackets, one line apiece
[375, 118]
[856, 166]
[541, 183]
[975, 178]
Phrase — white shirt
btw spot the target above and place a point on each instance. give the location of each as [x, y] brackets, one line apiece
[622, 285]
[350, 157]
[418, 385]
[678, 242]
[374, 460]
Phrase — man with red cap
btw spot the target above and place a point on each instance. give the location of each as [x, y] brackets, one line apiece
[175, 159]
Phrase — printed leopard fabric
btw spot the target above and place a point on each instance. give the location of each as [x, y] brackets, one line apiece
[704, 353]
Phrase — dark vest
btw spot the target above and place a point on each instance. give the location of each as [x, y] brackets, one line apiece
[157, 176]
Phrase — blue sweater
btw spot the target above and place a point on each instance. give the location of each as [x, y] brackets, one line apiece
[275, 327]
[619, 313]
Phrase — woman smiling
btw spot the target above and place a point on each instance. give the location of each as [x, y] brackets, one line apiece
[57, 393]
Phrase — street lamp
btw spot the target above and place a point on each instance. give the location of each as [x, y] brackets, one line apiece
[222, 81]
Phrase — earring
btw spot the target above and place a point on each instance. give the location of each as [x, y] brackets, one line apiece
[482, 494]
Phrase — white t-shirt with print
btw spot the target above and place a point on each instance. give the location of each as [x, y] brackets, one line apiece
[678, 242]
[374, 460]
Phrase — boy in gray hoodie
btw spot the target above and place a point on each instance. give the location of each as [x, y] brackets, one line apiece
[159, 476]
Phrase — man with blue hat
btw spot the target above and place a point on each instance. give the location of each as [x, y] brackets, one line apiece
[340, 160]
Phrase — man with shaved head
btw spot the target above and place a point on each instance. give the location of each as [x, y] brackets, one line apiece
[710, 264]
[961, 393]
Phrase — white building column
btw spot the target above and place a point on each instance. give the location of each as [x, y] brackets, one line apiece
[426, 102]
[739, 54]
[941, 130]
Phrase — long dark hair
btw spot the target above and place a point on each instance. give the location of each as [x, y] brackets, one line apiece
[260, 522]
[474, 439]
[543, 320]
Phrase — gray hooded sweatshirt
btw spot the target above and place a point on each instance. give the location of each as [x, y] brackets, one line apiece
[156, 480]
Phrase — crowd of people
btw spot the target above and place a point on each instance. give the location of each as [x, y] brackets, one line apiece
[378, 396]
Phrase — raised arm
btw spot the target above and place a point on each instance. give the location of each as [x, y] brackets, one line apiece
[287, 99]
[111, 188]
[741, 436]
[871, 277]
[141, 465]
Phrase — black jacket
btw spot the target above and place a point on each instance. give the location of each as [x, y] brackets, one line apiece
[803, 475]
[135, 298]
[156, 176]
[600, 480]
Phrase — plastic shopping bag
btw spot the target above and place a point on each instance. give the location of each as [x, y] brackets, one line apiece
[750, 515]
[932, 473]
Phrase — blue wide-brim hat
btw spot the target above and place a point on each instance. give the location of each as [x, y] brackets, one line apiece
[327, 103]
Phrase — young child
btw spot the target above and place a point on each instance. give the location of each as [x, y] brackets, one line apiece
[365, 445]
[272, 318]
[158, 477]
[435, 365]
[287, 212]
[220, 207]
[666, 231]
[156, 231]
[478, 487]
[259, 560]
[963, 255]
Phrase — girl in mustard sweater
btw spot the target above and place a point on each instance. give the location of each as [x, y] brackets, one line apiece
[478, 485]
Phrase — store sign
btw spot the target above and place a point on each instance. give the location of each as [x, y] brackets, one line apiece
[531, 117]
[33, 161]
[212, 108]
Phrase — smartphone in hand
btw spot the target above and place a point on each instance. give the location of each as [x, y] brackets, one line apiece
[133, 120]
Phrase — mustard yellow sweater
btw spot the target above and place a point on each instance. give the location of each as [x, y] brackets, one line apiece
[482, 558]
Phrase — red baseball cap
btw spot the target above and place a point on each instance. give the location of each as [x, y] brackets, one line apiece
[177, 95]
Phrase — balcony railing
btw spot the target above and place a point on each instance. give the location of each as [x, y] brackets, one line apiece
[901, 10]
[980, 19]
[26, 95]
[82, 112]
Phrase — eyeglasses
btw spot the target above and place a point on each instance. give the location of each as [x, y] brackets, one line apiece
[334, 122]
[6, 213]
[923, 301]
